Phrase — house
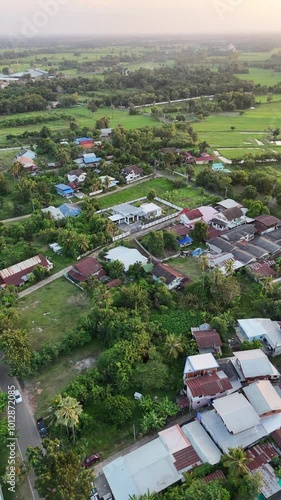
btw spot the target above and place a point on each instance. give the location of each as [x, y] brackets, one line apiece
[263, 397]
[27, 163]
[207, 212]
[108, 182]
[263, 329]
[90, 159]
[126, 214]
[243, 233]
[261, 270]
[259, 458]
[18, 274]
[84, 269]
[128, 256]
[28, 153]
[181, 232]
[85, 142]
[64, 190]
[76, 176]
[266, 223]
[207, 340]
[132, 173]
[190, 217]
[70, 210]
[170, 277]
[228, 218]
[218, 167]
[152, 467]
[34, 73]
[204, 158]
[202, 443]
[56, 248]
[198, 365]
[54, 212]
[105, 133]
[222, 260]
[202, 390]
[254, 365]
[233, 423]
[151, 210]
[228, 203]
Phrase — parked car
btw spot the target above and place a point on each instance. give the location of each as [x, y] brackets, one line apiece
[18, 397]
[138, 396]
[91, 460]
[108, 496]
[42, 429]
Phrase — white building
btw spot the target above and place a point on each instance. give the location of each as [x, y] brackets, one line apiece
[254, 365]
[128, 256]
[77, 176]
[262, 329]
[151, 210]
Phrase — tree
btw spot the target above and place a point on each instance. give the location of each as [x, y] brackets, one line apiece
[249, 486]
[174, 346]
[248, 345]
[17, 169]
[204, 264]
[229, 267]
[3, 184]
[16, 347]
[115, 269]
[118, 409]
[92, 106]
[201, 491]
[200, 231]
[151, 195]
[59, 472]
[235, 461]
[152, 375]
[67, 413]
[250, 192]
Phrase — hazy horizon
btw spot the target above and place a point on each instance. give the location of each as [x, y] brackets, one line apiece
[92, 17]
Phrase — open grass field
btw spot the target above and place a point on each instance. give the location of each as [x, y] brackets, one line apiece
[262, 76]
[47, 314]
[186, 196]
[263, 98]
[188, 266]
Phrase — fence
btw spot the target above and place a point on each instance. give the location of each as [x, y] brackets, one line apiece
[121, 236]
[164, 202]
[159, 221]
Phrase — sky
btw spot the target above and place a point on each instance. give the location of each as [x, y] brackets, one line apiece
[28, 18]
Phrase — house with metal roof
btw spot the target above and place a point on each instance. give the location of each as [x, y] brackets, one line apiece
[64, 190]
[18, 274]
[84, 269]
[263, 397]
[266, 223]
[199, 364]
[263, 329]
[151, 210]
[152, 467]
[201, 391]
[190, 217]
[253, 364]
[128, 256]
[169, 276]
[207, 340]
[90, 159]
[70, 210]
[228, 203]
[132, 173]
[202, 443]
[126, 214]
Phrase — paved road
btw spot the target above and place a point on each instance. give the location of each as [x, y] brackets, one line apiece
[44, 282]
[25, 424]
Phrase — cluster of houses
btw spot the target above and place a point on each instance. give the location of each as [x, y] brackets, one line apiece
[33, 73]
[239, 403]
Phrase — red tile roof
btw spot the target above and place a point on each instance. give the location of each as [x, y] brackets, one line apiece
[259, 455]
[88, 267]
[263, 269]
[114, 283]
[192, 214]
[207, 338]
[213, 232]
[208, 385]
[218, 474]
[186, 458]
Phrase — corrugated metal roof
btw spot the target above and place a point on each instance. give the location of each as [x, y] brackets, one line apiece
[207, 338]
[236, 412]
[217, 475]
[263, 397]
[21, 266]
[208, 385]
[186, 458]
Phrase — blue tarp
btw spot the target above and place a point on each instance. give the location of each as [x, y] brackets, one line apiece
[197, 252]
[93, 159]
[186, 240]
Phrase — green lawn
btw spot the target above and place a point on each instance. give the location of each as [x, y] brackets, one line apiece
[188, 266]
[47, 314]
[186, 196]
[262, 76]
[263, 98]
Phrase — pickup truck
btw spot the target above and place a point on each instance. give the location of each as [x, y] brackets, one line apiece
[42, 429]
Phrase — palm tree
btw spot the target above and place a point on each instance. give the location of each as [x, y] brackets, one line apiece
[67, 413]
[174, 346]
[16, 169]
[96, 185]
[268, 285]
[229, 267]
[204, 264]
[236, 461]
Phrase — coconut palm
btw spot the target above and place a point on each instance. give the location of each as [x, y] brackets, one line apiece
[236, 461]
[204, 264]
[229, 267]
[16, 169]
[268, 285]
[174, 346]
[67, 413]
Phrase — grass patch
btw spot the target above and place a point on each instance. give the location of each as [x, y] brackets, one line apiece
[46, 313]
[188, 266]
[262, 76]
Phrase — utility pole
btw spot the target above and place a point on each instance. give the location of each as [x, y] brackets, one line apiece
[134, 431]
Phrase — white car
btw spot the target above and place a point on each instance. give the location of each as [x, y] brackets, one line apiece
[18, 397]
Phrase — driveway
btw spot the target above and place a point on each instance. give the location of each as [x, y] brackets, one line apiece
[25, 424]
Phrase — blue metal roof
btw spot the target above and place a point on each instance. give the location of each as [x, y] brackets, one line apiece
[92, 159]
[185, 240]
[84, 139]
[64, 187]
[69, 210]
